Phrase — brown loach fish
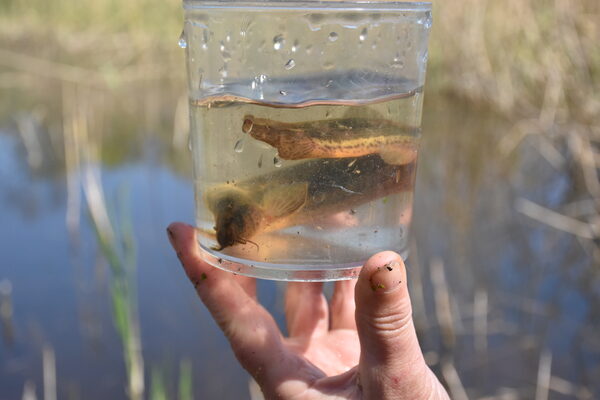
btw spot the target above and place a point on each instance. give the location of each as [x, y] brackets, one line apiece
[301, 194]
[337, 138]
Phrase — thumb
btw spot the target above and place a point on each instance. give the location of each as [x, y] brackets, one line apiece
[391, 362]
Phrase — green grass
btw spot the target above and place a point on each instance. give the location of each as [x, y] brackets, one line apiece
[117, 245]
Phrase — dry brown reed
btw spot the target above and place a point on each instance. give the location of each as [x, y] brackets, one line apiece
[538, 63]
[536, 57]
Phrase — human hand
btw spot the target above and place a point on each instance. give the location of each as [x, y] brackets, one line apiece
[332, 352]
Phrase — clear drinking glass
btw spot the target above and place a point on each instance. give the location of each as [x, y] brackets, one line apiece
[305, 128]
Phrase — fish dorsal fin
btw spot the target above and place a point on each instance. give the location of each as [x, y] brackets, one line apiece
[296, 148]
[284, 200]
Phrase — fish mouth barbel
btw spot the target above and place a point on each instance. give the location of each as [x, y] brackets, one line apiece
[301, 194]
[397, 144]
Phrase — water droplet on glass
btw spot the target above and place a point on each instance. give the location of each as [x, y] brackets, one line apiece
[200, 76]
[363, 35]
[204, 46]
[228, 38]
[283, 92]
[222, 46]
[398, 62]
[428, 20]
[290, 64]
[190, 142]
[262, 78]
[277, 162]
[223, 71]
[333, 36]
[278, 42]
[253, 85]
[182, 42]
[226, 56]
[295, 46]
[239, 146]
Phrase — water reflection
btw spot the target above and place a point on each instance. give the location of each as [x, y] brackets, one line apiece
[498, 296]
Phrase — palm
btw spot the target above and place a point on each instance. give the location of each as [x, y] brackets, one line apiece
[317, 359]
[333, 353]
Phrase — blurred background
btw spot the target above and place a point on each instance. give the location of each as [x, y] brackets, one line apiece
[94, 163]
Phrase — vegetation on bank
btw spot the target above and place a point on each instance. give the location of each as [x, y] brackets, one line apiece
[517, 55]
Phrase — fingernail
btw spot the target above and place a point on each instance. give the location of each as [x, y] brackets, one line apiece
[171, 236]
[386, 278]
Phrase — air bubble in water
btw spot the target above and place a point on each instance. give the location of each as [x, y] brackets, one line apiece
[283, 92]
[363, 35]
[239, 146]
[253, 85]
[278, 42]
[222, 46]
[295, 46]
[276, 162]
[333, 36]
[182, 42]
[262, 78]
[290, 64]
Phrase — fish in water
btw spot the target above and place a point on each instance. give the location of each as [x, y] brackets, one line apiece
[301, 194]
[337, 138]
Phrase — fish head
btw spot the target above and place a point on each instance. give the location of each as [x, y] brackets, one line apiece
[237, 217]
[259, 129]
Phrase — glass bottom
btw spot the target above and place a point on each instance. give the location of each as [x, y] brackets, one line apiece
[283, 272]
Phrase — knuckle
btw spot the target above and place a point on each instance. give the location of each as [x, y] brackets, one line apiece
[391, 324]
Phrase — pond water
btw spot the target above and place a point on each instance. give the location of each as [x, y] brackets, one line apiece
[494, 291]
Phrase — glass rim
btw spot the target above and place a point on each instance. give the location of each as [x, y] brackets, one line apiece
[309, 5]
